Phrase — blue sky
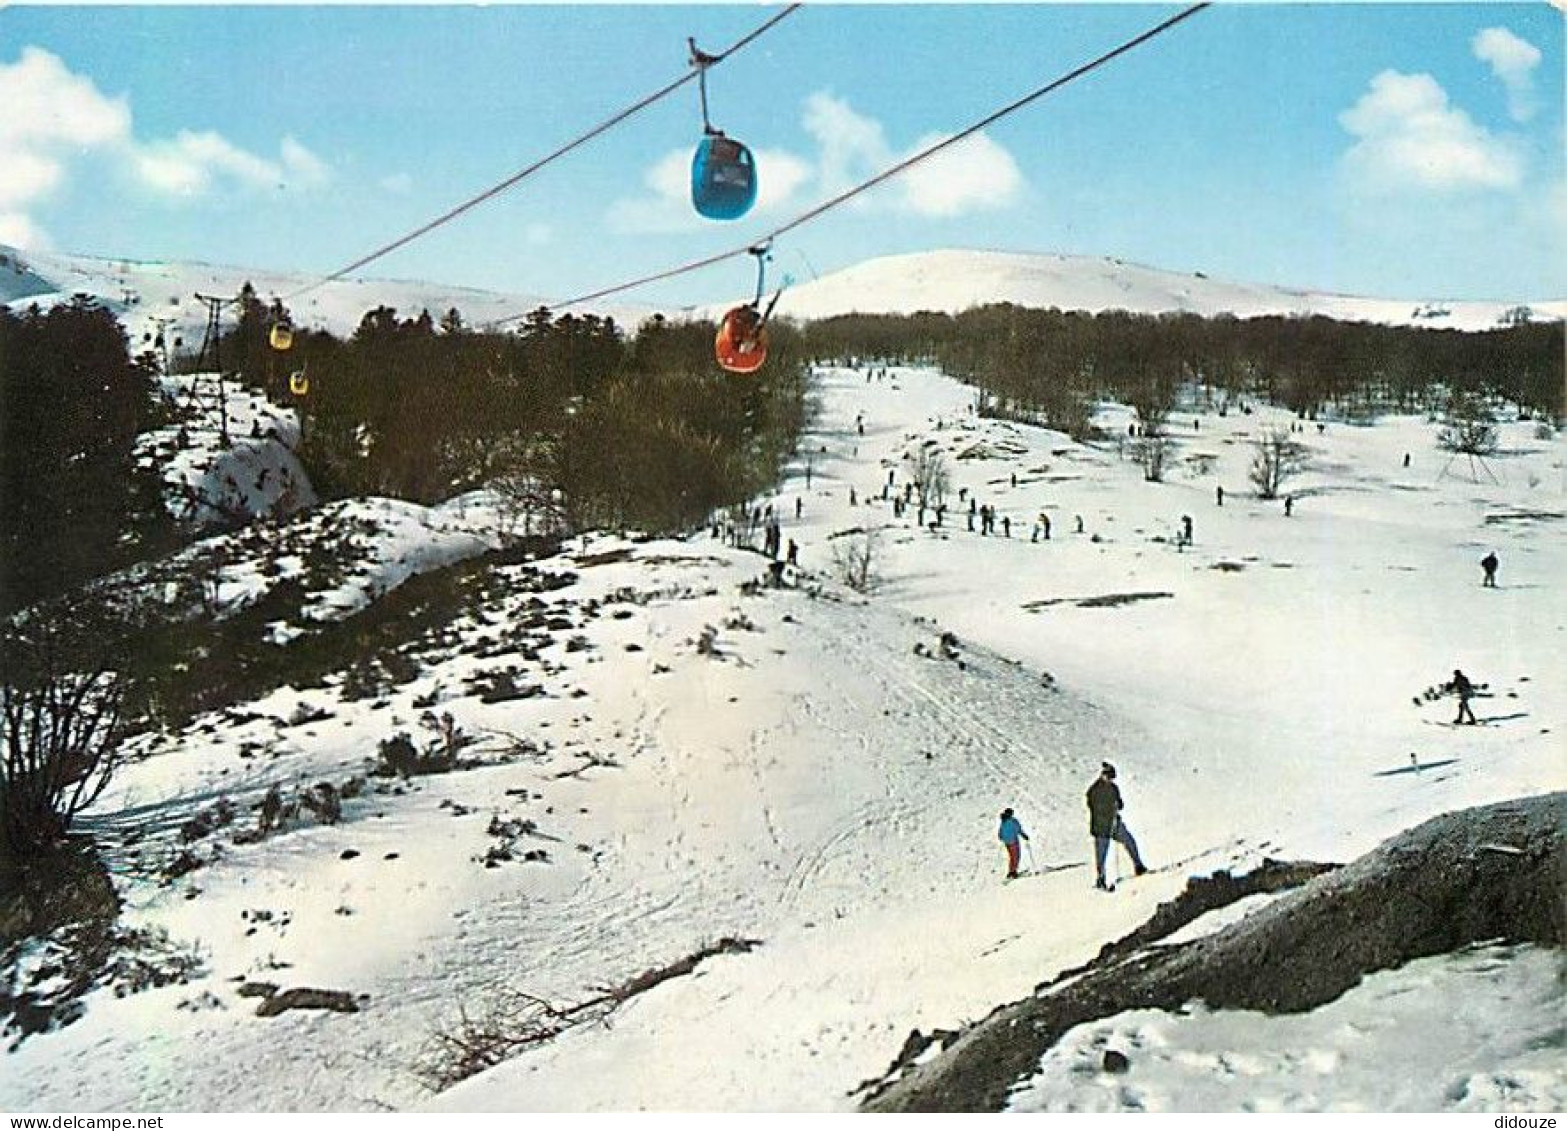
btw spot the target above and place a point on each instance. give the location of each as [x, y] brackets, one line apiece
[1400, 150]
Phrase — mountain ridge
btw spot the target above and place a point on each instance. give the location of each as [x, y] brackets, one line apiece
[144, 291]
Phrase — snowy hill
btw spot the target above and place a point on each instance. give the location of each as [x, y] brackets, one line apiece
[504, 783]
[140, 292]
[955, 280]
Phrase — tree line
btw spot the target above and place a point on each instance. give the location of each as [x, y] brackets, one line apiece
[74, 502]
[1052, 365]
[580, 422]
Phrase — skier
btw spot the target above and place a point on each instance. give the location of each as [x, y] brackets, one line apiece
[1489, 564]
[1079, 522]
[1465, 690]
[1011, 835]
[1105, 825]
[794, 553]
[1289, 505]
[799, 505]
[1006, 525]
[1218, 495]
[1044, 524]
[1186, 528]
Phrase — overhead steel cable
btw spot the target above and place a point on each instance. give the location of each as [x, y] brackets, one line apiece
[886, 174]
[522, 174]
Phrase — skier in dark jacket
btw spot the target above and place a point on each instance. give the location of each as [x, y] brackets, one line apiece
[1104, 823]
[1489, 564]
[1465, 690]
[1011, 835]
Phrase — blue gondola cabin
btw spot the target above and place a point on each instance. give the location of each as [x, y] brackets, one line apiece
[723, 178]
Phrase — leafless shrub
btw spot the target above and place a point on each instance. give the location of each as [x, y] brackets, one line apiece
[61, 732]
[1275, 459]
[855, 559]
[929, 472]
[1152, 453]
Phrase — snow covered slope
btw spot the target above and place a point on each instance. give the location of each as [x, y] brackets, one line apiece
[657, 756]
[140, 292]
[210, 479]
[955, 280]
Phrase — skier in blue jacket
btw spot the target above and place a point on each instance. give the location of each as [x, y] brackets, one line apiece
[1011, 835]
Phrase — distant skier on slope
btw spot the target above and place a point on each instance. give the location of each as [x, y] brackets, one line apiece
[1465, 691]
[1489, 564]
[1105, 825]
[1011, 835]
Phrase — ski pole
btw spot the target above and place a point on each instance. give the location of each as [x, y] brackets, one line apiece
[1029, 845]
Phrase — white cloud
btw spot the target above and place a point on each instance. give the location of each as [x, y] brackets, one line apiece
[1512, 60]
[851, 147]
[26, 175]
[1411, 137]
[48, 114]
[51, 117]
[191, 163]
[398, 183]
[18, 230]
[46, 104]
[302, 167]
[973, 175]
[780, 175]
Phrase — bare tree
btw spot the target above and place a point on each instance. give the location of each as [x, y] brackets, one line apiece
[1276, 458]
[1152, 452]
[1470, 427]
[855, 555]
[61, 733]
[1469, 430]
[527, 498]
[1152, 399]
[930, 476]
